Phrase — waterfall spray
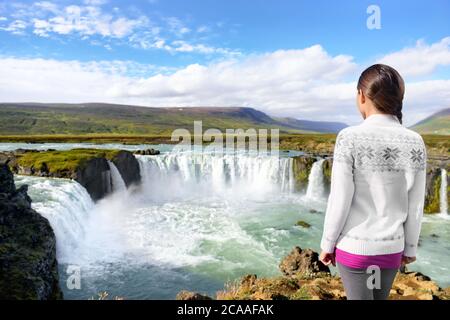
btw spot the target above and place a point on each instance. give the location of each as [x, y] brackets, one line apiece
[235, 174]
[316, 187]
[118, 184]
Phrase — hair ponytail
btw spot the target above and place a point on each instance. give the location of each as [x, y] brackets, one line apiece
[385, 87]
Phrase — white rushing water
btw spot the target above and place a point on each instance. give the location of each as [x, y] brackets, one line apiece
[118, 185]
[235, 175]
[443, 192]
[196, 222]
[66, 204]
[316, 186]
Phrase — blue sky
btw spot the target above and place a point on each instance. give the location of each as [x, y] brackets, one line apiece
[294, 58]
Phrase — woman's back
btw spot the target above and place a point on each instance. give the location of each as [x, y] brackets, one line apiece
[377, 193]
[385, 161]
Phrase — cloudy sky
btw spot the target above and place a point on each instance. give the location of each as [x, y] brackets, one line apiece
[285, 57]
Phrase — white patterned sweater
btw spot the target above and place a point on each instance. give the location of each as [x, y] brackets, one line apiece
[377, 189]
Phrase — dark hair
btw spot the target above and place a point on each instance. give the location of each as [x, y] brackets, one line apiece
[385, 87]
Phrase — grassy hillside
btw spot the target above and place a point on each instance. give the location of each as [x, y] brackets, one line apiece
[438, 123]
[96, 118]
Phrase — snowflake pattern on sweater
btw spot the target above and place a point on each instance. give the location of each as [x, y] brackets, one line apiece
[380, 152]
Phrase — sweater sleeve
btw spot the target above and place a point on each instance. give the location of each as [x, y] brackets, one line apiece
[416, 199]
[341, 191]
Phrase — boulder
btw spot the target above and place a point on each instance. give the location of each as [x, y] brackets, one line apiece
[302, 262]
[304, 224]
[188, 295]
[28, 265]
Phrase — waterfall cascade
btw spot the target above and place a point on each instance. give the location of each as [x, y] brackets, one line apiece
[316, 187]
[239, 173]
[443, 192]
[66, 204]
[117, 182]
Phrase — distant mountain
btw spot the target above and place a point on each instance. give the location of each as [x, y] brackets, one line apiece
[102, 118]
[317, 126]
[437, 123]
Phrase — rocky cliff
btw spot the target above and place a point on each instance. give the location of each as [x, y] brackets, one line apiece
[433, 184]
[89, 167]
[28, 265]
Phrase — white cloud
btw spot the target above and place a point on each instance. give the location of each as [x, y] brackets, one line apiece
[86, 21]
[16, 27]
[176, 26]
[308, 83]
[423, 59]
[95, 2]
[91, 20]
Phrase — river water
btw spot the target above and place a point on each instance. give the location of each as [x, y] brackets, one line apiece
[196, 222]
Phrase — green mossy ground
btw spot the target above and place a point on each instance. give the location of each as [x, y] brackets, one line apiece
[55, 162]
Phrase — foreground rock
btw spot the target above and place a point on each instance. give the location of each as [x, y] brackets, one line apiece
[28, 266]
[305, 278]
[89, 167]
[304, 262]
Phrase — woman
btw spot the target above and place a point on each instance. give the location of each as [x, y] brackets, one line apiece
[374, 211]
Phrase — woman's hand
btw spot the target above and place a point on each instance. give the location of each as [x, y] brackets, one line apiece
[407, 260]
[327, 258]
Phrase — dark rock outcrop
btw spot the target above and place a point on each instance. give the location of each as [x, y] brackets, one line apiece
[327, 166]
[433, 184]
[302, 167]
[128, 167]
[95, 177]
[28, 265]
[147, 152]
[302, 262]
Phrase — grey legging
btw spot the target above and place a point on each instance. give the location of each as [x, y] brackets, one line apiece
[356, 287]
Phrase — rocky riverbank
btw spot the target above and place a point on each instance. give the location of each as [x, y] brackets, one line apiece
[303, 277]
[28, 265]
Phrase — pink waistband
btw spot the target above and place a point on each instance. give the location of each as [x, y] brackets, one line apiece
[384, 261]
